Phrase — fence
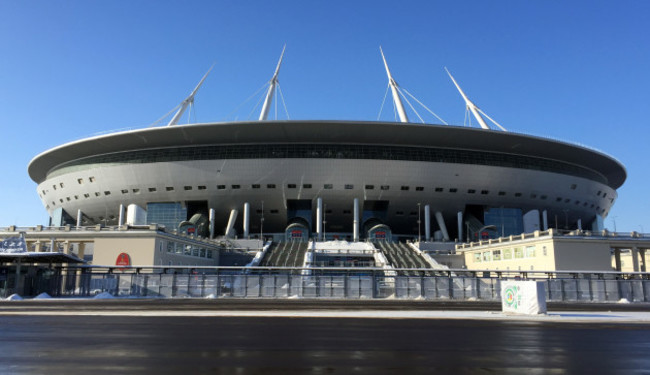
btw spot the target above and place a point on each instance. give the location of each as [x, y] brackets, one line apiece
[349, 283]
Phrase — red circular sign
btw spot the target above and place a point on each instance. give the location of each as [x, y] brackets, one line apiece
[123, 260]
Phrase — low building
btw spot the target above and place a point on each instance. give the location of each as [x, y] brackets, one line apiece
[552, 250]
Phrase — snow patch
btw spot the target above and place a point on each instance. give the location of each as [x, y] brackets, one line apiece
[14, 297]
[104, 295]
[623, 300]
[43, 296]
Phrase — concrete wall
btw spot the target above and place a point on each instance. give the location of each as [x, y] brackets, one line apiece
[140, 250]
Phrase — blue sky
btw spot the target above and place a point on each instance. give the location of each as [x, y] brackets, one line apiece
[575, 71]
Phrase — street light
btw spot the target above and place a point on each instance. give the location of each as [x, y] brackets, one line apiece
[262, 225]
[324, 222]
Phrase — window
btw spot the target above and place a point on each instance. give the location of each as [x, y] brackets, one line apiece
[152, 190]
[202, 187]
[169, 188]
[518, 253]
[170, 246]
[533, 196]
[61, 200]
[471, 191]
[81, 181]
[236, 186]
[255, 186]
[543, 197]
[507, 254]
[54, 187]
[439, 190]
[399, 213]
[209, 254]
[327, 186]
[530, 251]
[496, 254]
[136, 191]
[599, 192]
[404, 188]
[306, 186]
[187, 188]
[384, 187]
[86, 195]
[270, 186]
[419, 188]
[573, 186]
[349, 186]
[370, 187]
[61, 184]
[274, 211]
[125, 191]
[453, 190]
[544, 250]
[502, 193]
[91, 179]
[97, 194]
[291, 186]
[485, 192]
[76, 197]
[558, 199]
[517, 195]
[477, 257]
[347, 212]
[221, 187]
[487, 256]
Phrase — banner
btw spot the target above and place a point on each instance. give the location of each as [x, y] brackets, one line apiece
[13, 245]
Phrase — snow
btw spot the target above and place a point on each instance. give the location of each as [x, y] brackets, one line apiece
[14, 297]
[103, 295]
[43, 296]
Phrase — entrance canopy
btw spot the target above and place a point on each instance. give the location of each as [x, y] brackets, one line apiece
[34, 257]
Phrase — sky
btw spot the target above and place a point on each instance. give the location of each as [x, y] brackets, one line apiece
[575, 71]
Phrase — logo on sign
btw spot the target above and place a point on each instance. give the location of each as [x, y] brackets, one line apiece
[123, 260]
[511, 297]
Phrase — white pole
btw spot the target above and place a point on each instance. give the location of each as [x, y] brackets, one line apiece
[545, 219]
[246, 219]
[120, 219]
[269, 94]
[393, 87]
[231, 222]
[319, 218]
[355, 225]
[212, 218]
[460, 226]
[441, 224]
[187, 101]
[80, 215]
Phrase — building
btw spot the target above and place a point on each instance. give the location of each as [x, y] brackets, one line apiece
[295, 180]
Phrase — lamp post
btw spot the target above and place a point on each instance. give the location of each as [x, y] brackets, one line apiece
[324, 222]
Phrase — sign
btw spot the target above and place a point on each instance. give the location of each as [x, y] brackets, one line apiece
[296, 234]
[523, 297]
[13, 245]
[123, 260]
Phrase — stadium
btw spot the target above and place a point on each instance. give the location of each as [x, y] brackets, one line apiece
[354, 180]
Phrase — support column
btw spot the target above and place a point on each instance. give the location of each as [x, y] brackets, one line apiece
[231, 222]
[427, 222]
[643, 260]
[441, 224]
[460, 226]
[79, 217]
[120, 218]
[617, 259]
[635, 259]
[80, 255]
[579, 224]
[247, 218]
[545, 219]
[319, 219]
[355, 223]
[211, 218]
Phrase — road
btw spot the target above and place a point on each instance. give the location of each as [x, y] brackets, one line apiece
[185, 344]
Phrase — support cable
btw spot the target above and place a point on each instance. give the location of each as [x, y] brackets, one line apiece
[256, 105]
[283, 103]
[399, 89]
[425, 107]
[490, 118]
[383, 101]
[247, 100]
[166, 115]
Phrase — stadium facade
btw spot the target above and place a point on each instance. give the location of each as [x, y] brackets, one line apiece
[328, 179]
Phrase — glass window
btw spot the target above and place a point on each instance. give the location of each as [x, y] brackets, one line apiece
[496, 254]
[544, 250]
[477, 257]
[385, 187]
[327, 186]
[530, 251]
[202, 253]
[518, 253]
[487, 256]
[507, 254]
[209, 254]
[370, 187]
[169, 188]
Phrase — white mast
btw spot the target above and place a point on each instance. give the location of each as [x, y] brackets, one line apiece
[187, 101]
[476, 111]
[269, 94]
[394, 89]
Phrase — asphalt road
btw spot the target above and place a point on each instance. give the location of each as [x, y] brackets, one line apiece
[49, 344]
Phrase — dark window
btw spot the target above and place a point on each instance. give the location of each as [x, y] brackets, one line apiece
[502, 193]
[573, 186]
[543, 197]
[135, 191]
[91, 179]
[558, 199]
[291, 186]
[97, 194]
[384, 187]
[439, 190]
[370, 187]
[152, 190]
[327, 186]
[169, 188]
[347, 212]
[201, 187]
[404, 188]
[67, 198]
[533, 196]
[236, 186]
[399, 212]
[484, 192]
[453, 190]
[85, 196]
[517, 195]
[306, 186]
[187, 187]
[349, 186]
[221, 187]
[256, 186]
[274, 211]
[599, 192]
[270, 186]
[419, 188]
[567, 200]
[125, 191]
[80, 181]
[413, 213]
[471, 191]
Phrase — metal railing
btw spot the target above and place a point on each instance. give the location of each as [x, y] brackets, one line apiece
[329, 282]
